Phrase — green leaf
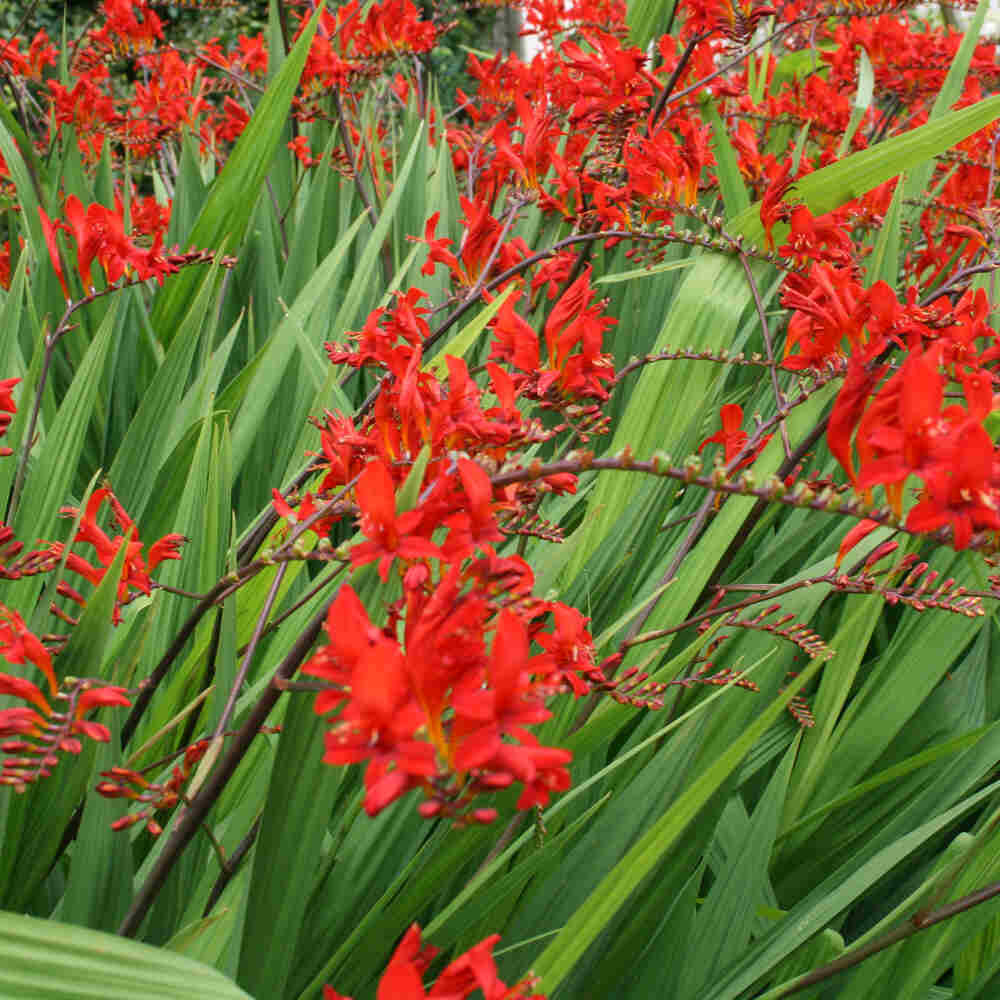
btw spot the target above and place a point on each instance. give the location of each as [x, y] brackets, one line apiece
[367, 264]
[644, 272]
[46, 960]
[146, 446]
[616, 888]
[648, 18]
[224, 217]
[734, 191]
[51, 474]
[827, 189]
[885, 260]
[299, 800]
[99, 887]
[459, 345]
[254, 392]
[724, 924]
[862, 100]
[832, 897]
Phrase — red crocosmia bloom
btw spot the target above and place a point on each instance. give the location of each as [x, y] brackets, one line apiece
[606, 80]
[89, 238]
[20, 687]
[847, 410]
[732, 437]
[18, 644]
[136, 570]
[570, 648]
[351, 635]
[811, 239]
[859, 532]
[7, 404]
[503, 708]
[829, 306]
[960, 494]
[473, 973]
[378, 725]
[445, 650]
[438, 252]
[772, 206]
[576, 322]
[530, 160]
[476, 523]
[306, 509]
[100, 697]
[50, 732]
[49, 231]
[514, 339]
[908, 433]
[380, 715]
[390, 537]
[100, 234]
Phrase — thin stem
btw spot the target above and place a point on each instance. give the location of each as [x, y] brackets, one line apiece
[779, 398]
[152, 682]
[757, 512]
[232, 866]
[704, 616]
[308, 596]
[918, 922]
[661, 101]
[726, 67]
[241, 674]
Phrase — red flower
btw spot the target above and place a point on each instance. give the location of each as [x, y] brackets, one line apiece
[40, 733]
[733, 438]
[960, 494]
[136, 570]
[390, 537]
[473, 973]
[772, 206]
[847, 410]
[49, 231]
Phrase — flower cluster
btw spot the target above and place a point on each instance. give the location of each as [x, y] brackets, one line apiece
[472, 974]
[36, 733]
[441, 694]
[136, 568]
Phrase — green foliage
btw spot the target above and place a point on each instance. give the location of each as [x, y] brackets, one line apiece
[709, 847]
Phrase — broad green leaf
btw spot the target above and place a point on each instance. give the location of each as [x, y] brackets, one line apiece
[613, 892]
[46, 960]
[724, 924]
[231, 201]
[885, 262]
[648, 18]
[300, 796]
[145, 447]
[368, 262]
[734, 191]
[827, 189]
[254, 392]
[823, 904]
[99, 887]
